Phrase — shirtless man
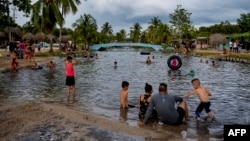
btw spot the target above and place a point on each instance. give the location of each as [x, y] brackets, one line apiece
[203, 95]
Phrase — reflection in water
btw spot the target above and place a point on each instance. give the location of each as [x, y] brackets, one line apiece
[71, 101]
[98, 86]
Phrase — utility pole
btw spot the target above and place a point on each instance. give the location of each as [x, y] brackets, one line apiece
[14, 13]
[8, 13]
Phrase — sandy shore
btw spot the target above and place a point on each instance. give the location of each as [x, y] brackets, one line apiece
[5, 60]
[45, 121]
[41, 121]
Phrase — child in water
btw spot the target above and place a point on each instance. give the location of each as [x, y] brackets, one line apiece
[51, 65]
[124, 95]
[96, 56]
[14, 63]
[115, 64]
[203, 95]
[70, 74]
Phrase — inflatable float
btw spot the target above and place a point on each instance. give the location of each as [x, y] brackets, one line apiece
[174, 62]
[91, 56]
[145, 53]
[38, 67]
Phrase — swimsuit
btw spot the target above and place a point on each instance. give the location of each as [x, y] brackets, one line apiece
[143, 106]
[202, 105]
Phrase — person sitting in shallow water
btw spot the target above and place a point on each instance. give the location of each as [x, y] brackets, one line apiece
[36, 66]
[51, 65]
[144, 101]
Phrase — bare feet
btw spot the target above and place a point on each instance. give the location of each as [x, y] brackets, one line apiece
[209, 116]
[198, 119]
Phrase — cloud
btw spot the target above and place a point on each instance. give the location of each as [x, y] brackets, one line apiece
[122, 14]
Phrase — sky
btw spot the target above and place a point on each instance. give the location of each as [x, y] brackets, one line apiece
[123, 14]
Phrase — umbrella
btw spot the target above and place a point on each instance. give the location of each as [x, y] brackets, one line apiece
[40, 36]
[216, 39]
[14, 31]
[65, 38]
[50, 37]
[28, 36]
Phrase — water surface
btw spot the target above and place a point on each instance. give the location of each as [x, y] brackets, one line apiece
[98, 84]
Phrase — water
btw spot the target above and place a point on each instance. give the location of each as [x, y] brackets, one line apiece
[98, 84]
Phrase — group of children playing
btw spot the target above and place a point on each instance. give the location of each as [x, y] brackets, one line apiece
[144, 99]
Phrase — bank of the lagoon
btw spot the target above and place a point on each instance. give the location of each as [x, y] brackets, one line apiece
[243, 57]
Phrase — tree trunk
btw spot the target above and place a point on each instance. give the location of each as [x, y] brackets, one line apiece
[60, 35]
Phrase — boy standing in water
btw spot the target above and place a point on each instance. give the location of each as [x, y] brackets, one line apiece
[70, 75]
[203, 95]
[124, 95]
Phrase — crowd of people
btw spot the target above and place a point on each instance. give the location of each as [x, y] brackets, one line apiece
[23, 50]
[160, 107]
[235, 46]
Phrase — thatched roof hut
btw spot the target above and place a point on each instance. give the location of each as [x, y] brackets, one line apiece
[3, 35]
[15, 32]
[50, 37]
[28, 36]
[65, 38]
[216, 39]
[40, 36]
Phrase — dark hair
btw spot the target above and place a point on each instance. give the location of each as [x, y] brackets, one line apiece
[195, 79]
[163, 87]
[124, 84]
[69, 58]
[148, 88]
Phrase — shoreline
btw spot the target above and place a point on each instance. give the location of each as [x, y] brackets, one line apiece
[5, 60]
[34, 120]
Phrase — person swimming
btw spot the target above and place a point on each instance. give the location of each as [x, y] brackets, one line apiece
[36, 66]
[148, 61]
[191, 73]
[115, 64]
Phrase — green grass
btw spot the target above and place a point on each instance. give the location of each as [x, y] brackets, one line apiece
[48, 54]
[240, 56]
[204, 54]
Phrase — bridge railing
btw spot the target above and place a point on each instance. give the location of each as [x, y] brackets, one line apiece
[115, 44]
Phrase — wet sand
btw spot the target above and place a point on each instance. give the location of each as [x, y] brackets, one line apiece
[41, 121]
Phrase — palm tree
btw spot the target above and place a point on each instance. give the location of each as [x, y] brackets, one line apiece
[67, 6]
[107, 31]
[153, 25]
[135, 32]
[45, 16]
[86, 25]
[121, 35]
[163, 33]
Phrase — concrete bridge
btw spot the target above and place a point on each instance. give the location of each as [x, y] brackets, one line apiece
[98, 46]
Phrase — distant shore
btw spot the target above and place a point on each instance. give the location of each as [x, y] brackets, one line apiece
[5, 60]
